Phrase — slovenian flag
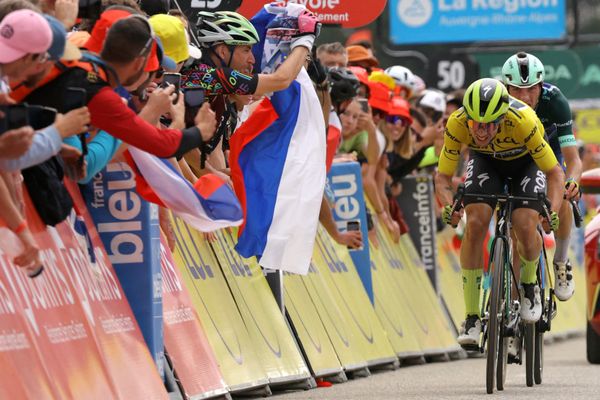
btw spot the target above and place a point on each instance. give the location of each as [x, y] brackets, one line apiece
[277, 160]
[208, 205]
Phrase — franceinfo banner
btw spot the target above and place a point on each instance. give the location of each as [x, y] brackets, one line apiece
[442, 21]
[417, 202]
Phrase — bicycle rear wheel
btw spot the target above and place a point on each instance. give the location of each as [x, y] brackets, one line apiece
[495, 322]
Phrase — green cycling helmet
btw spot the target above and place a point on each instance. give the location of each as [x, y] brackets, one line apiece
[486, 100]
[226, 27]
[523, 70]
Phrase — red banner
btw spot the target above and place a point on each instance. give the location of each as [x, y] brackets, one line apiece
[186, 343]
[347, 13]
[70, 332]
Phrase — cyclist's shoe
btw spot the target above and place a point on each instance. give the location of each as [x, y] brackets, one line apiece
[470, 331]
[513, 350]
[531, 302]
[564, 285]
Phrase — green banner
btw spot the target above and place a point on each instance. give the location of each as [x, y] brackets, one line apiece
[576, 71]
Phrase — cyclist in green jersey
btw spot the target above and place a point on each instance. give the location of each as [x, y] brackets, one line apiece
[523, 74]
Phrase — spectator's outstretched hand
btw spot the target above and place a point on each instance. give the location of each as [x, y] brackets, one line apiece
[206, 122]
[30, 256]
[177, 112]
[75, 165]
[352, 239]
[160, 101]
[72, 123]
[15, 142]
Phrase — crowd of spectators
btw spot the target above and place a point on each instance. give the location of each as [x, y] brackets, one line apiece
[389, 122]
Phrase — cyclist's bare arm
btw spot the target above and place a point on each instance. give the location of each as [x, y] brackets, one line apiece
[574, 167]
[556, 184]
[443, 188]
[284, 75]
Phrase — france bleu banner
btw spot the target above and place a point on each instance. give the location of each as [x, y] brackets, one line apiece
[433, 21]
[277, 159]
[128, 227]
[345, 181]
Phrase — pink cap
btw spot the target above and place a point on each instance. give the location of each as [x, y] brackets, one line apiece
[23, 32]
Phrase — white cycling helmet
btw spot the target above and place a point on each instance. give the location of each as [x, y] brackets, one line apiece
[403, 76]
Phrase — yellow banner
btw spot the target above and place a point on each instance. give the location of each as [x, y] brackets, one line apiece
[222, 322]
[353, 304]
[450, 276]
[275, 346]
[437, 333]
[588, 125]
[309, 327]
[393, 308]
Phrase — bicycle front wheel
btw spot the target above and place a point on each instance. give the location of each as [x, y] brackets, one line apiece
[496, 361]
[538, 361]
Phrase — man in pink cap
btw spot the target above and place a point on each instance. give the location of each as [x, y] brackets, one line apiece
[25, 36]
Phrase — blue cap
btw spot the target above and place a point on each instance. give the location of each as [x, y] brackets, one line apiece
[60, 48]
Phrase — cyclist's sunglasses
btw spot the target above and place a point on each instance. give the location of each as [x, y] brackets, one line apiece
[471, 122]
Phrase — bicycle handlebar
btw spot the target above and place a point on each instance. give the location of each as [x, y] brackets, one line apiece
[502, 198]
[576, 213]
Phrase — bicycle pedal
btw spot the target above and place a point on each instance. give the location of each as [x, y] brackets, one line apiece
[471, 347]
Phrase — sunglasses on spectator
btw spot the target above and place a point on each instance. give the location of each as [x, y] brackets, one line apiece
[396, 119]
[41, 57]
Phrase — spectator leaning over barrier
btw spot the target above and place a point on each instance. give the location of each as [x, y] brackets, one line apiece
[48, 142]
[344, 88]
[333, 55]
[123, 59]
[24, 39]
[226, 68]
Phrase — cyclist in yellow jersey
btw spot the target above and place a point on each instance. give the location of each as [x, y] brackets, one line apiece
[506, 139]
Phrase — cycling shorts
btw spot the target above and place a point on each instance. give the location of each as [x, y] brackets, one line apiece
[487, 175]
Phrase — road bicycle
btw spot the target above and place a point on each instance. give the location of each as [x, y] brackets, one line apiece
[500, 314]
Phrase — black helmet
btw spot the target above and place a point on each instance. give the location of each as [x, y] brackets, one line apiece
[344, 84]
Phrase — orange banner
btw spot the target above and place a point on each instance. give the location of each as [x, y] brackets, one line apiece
[69, 333]
[185, 341]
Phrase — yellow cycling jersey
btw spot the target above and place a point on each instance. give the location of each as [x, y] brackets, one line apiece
[520, 133]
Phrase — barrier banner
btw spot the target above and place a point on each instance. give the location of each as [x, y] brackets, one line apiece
[392, 308]
[343, 336]
[418, 206]
[117, 331]
[275, 346]
[70, 333]
[218, 312]
[434, 334]
[450, 276]
[345, 180]
[309, 328]
[128, 227]
[353, 304]
[185, 341]
[412, 293]
[444, 329]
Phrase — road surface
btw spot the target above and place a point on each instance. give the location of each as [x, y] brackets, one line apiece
[567, 375]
